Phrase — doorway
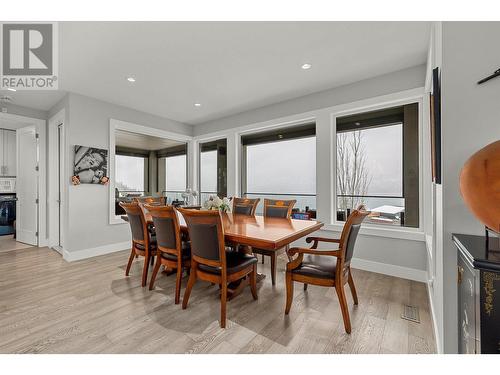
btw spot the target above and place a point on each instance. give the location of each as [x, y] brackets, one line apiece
[56, 181]
[22, 181]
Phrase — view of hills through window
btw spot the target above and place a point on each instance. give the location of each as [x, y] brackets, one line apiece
[129, 173]
[175, 172]
[283, 169]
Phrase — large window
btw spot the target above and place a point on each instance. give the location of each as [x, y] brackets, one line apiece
[281, 165]
[129, 173]
[213, 169]
[175, 177]
[377, 165]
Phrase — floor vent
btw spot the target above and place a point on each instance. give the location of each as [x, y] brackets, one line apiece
[410, 313]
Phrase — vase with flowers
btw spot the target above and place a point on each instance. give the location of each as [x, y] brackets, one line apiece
[216, 203]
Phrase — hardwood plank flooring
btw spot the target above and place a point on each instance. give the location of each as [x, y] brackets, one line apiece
[50, 306]
[8, 243]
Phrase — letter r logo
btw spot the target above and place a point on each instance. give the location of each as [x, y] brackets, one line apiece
[27, 49]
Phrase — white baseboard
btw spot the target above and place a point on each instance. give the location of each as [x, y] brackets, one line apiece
[390, 269]
[71, 256]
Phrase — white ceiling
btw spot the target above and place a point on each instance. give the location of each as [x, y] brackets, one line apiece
[228, 67]
[143, 142]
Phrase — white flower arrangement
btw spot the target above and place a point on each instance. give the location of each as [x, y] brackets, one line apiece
[216, 203]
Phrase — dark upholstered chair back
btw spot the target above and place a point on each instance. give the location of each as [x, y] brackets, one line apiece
[167, 227]
[206, 233]
[278, 208]
[245, 206]
[350, 233]
[150, 200]
[136, 220]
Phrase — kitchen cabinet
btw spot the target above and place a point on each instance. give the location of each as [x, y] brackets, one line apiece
[7, 153]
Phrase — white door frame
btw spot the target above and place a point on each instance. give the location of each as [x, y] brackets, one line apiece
[40, 126]
[55, 232]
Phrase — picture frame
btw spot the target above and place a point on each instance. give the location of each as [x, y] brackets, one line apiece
[90, 165]
[435, 126]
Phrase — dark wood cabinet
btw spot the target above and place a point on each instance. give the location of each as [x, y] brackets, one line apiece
[478, 277]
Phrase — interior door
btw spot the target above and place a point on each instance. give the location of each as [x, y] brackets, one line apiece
[27, 186]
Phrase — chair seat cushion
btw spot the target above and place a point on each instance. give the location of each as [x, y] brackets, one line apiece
[186, 253]
[152, 244]
[320, 266]
[235, 261]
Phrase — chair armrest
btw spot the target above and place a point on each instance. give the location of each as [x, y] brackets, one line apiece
[294, 263]
[301, 250]
[320, 239]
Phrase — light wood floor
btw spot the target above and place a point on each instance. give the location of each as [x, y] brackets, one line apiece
[8, 243]
[89, 306]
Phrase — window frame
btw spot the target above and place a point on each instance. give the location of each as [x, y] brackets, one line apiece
[243, 154]
[370, 228]
[114, 125]
[197, 156]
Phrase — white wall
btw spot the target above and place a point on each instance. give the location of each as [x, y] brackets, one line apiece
[369, 88]
[87, 230]
[25, 111]
[403, 256]
[471, 120]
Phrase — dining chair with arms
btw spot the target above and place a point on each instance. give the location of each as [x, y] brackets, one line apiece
[209, 259]
[278, 209]
[245, 206]
[331, 268]
[143, 243]
[172, 251]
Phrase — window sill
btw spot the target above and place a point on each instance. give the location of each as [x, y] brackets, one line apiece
[370, 230]
[117, 219]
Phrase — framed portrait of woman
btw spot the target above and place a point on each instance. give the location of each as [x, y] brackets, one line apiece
[91, 164]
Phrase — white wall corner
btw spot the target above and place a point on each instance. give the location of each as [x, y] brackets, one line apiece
[71, 256]
[437, 339]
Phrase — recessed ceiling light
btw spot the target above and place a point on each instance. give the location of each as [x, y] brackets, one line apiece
[197, 104]
[306, 66]
[11, 89]
[131, 79]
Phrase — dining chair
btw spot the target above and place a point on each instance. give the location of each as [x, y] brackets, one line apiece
[143, 242]
[331, 268]
[172, 251]
[209, 259]
[278, 209]
[150, 200]
[245, 206]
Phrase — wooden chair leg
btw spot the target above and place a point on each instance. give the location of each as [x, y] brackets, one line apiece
[262, 258]
[145, 270]
[353, 288]
[152, 259]
[273, 268]
[178, 281]
[343, 306]
[305, 286]
[189, 286]
[253, 282]
[289, 292]
[130, 260]
[155, 272]
[223, 302]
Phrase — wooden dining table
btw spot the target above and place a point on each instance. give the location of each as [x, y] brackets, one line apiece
[257, 231]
